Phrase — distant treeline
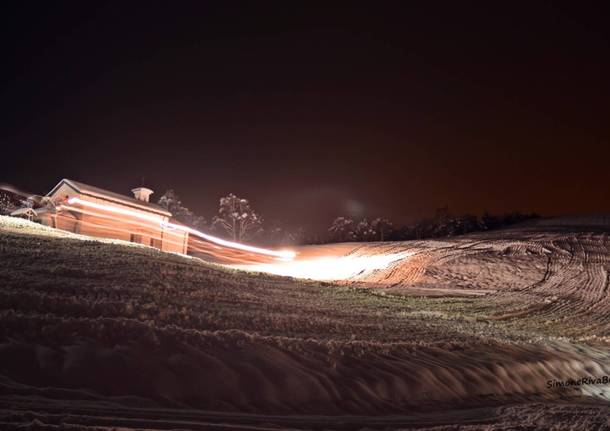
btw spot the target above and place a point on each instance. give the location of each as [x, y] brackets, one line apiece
[442, 225]
[447, 225]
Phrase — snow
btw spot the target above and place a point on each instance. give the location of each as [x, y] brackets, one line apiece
[329, 269]
[114, 332]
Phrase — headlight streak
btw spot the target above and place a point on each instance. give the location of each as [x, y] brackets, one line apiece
[135, 225]
[198, 247]
[329, 268]
[285, 255]
[202, 244]
[281, 254]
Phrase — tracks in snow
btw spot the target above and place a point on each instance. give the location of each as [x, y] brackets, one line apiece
[555, 278]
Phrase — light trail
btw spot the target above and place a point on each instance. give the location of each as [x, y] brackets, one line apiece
[286, 255]
[333, 268]
[134, 224]
[197, 247]
[282, 254]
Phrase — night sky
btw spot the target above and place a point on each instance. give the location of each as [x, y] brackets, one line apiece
[313, 111]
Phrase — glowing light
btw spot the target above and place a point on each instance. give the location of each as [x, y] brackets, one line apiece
[329, 269]
[114, 209]
[286, 255]
[283, 254]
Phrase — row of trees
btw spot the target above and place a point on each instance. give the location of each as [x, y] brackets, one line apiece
[443, 224]
[346, 229]
[235, 218]
[9, 202]
[238, 221]
[6, 204]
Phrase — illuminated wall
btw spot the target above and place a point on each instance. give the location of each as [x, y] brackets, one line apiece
[102, 220]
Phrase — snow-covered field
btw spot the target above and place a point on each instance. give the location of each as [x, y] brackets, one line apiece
[472, 331]
[552, 271]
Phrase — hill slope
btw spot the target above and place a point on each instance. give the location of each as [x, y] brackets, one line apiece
[123, 335]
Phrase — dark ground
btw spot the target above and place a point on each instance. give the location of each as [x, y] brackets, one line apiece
[97, 335]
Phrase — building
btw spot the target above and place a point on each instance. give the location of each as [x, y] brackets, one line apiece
[89, 210]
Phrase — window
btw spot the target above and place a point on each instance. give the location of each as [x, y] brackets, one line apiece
[135, 238]
[156, 242]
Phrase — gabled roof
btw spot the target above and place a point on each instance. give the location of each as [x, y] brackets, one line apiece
[97, 192]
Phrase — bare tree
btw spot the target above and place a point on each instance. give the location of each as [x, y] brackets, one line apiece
[382, 226]
[6, 204]
[278, 235]
[342, 229]
[298, 235]
[365, 231]
[237, 218]
[171, 201]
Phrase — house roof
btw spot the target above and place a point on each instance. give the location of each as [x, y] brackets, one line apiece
[86, 189]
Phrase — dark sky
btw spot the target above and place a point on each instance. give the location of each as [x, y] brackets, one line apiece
[312, 110]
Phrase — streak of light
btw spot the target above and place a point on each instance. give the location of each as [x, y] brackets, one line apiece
[196, 247]
[286, 255]
[330, 268]
[282, 254]
[136, 227]
[114, 209]
[127, 226]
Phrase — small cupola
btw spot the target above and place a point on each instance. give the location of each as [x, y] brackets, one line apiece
[142, 193]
